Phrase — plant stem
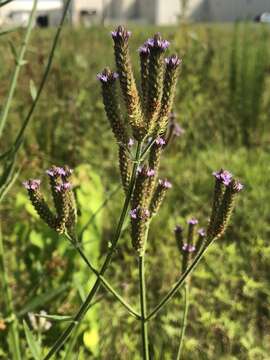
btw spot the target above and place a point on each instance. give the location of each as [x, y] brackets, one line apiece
[19, 64]
[144, 330]
[7, 296]
[84, 307]
[184, 321]
[180, 282]
[105, 283]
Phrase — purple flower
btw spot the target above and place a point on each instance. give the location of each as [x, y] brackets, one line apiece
[202, 232]
[130, 142]
[160, 141]
[63, 187]
[107, 76]
[224, 176]
[138, 213]
[56, 171]
[192, 221]
[150, 172]
[133, 213]
[157, 43]
[178, 229]
[237, 186]
[144, 50]
[188, 248]
[32, 184]
[121, 34]
[173, 61]
[165, 183]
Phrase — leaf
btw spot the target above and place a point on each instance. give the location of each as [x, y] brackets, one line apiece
[32, 343]
[56, 317]
[33, 89]
[91, 340]
[41, 299]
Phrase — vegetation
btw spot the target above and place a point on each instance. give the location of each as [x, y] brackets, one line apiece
[222, 104]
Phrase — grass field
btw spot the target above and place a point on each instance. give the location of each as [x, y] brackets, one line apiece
[223, 105]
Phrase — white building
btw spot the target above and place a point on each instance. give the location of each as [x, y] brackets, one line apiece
[48, 12]
[167, 12]
[159, 12]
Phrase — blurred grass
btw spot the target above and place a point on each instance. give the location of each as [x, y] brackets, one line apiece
[229, 317]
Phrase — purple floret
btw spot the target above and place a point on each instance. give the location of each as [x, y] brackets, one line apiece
[56, 171]
[237, 186]
[32, 184]
[165, 183]
[177, 130]
[160, 141]
[63, 187]
[144, 50]
[150, 172]
[173, 61]
[130, 142]
[202, 232]
[106, 77]
[224, 176]
[133, 213]
[188, 248]
[192, 221]
[158, 43]
[121, 34]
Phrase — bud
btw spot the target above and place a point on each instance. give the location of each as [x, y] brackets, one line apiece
[39, 203]
[159, 195]
[178, 232]
[125, 167]
[156, 46]
[127, 81]
[139, 224]
[226, 208]
[111, 104]
[144, 62]
[170, 81]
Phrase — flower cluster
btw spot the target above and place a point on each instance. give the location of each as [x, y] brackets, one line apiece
[147, 116]
[187, 245]
[64, 217]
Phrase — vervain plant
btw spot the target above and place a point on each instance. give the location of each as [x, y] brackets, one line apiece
[146, 124]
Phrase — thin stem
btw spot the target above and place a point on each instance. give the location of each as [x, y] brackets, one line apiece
[144, 330]
[180, 282]
[84, 307]
[7, 296]
[19, 64]
[184, 321]
[104, 282]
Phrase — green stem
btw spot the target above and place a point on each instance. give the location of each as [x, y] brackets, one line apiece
[19, 64]
[7, 296]
[184, 321]
[180, 282]
[144, 330]
[84, 307]
[104, 282]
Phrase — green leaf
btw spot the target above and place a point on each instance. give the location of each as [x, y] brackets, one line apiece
[33, 89]
[32, 343]
[56, 317]
[42, 299]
